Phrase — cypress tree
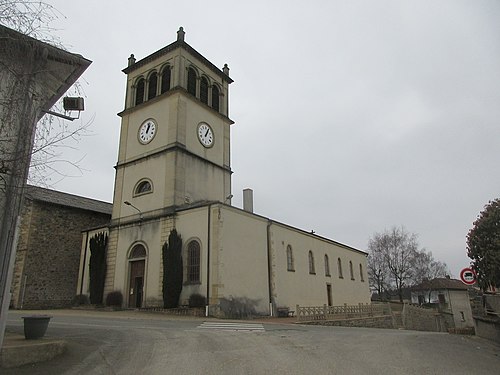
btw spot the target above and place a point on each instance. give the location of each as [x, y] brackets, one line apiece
[98, 246]
[172, 270]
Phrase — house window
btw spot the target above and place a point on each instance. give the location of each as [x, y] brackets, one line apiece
[204, 90]
[139, 91]
[165, 79]
[193, 262]
[289, 259]
[143, 187]
[191, 86]
[351, 270]
[361, 276]
[311, 263]
[215, 97]
[339, 266]
[152, 85]
[327, 266]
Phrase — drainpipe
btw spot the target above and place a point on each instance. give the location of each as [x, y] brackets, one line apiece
[269, 266]
[208, 259]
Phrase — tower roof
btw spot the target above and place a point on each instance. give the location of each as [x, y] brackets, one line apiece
[179, 43]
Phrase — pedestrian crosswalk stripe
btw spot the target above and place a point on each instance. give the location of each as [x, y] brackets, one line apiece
[232, 326]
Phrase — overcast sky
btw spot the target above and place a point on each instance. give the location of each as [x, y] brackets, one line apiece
[350, 116]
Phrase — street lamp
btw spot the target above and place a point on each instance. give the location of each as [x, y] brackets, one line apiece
[131, 205]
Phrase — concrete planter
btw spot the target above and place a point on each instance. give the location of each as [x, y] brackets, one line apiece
[35, 326]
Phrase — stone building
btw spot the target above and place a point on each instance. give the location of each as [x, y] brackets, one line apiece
[48, 252]
[174, 172]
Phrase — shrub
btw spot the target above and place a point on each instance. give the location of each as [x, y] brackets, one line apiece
[197, 300]
[80, 300]
[114, 299]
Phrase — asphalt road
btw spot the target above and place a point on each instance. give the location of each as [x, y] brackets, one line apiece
[141, 343]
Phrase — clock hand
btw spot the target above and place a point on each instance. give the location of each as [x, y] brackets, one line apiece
[147, 129]
[207, 132]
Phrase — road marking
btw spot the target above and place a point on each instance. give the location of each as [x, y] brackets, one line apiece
[246, 327]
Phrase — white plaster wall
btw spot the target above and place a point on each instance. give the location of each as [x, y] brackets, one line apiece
[301, 287]
[193, 225]
[240, 257]
[460, 303]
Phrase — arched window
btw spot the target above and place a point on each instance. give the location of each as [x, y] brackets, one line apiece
[215, 97]
[193, 262]
[191, 81]
[138, 251]
[327, 266]
[351, 270]
[139, 91]
[311, 263]
[152, 85]
[289, 259]
[361, 276]
[204, 90]
[165, 79]
[339, 266]
[143, 187]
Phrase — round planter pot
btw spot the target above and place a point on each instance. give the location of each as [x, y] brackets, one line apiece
[35, 326]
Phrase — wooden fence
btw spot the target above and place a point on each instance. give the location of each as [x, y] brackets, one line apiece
[311, 313]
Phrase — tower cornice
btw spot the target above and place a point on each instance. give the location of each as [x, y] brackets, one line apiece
[171, 47]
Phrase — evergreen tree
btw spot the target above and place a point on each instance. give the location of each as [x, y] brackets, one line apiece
[172, 270]
[98, 247]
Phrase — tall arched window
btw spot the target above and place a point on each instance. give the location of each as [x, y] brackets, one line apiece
[204, 90]
[191, 86]
[351, 270]
[311, 263]
[327, 266]
[361, 276]
[138, 251]
[215, 97]
[165, 79]
[152, 85]
[139, 91]
[193, 262]
[289, 259]
[339, 266]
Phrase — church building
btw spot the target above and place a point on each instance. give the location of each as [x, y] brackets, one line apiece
[174, 172]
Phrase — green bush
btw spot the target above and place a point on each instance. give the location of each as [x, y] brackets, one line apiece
[197, 300]
[81, 300]
[114, 299]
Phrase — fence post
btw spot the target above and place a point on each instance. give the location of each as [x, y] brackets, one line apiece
[297, 311]
[324, 311]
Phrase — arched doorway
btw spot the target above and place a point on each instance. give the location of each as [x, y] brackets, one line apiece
[137, 265]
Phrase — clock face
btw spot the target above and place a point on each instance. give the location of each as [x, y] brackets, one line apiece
[205, 135]
[147, 131]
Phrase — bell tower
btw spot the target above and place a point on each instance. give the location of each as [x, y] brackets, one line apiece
[174, 146]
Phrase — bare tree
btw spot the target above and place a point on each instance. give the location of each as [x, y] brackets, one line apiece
[378, 273]
[395, 262]
[428, 268]
[52, 135]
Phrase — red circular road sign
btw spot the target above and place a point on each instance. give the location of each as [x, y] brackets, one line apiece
[468, 276]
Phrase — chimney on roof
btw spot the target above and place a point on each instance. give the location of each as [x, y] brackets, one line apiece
[248, 200]
[180, 34]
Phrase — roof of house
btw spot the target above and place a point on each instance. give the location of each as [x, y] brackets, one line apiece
[69, 200]
[441, 283]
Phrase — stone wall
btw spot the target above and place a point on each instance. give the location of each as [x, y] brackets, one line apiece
[422, 319]
[371, 322]
[488, 328]
[48, 254]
